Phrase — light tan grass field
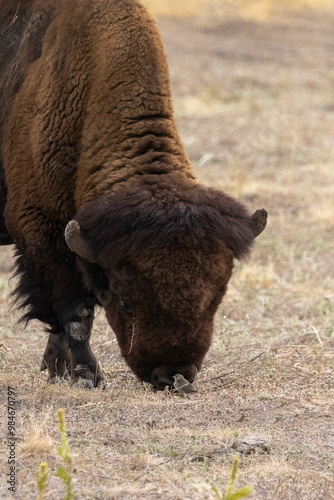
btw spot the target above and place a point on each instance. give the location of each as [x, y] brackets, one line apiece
[256, 9]
[254, 103]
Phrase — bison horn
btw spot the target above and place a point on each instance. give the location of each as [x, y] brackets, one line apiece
[259, 219]
[77, 242]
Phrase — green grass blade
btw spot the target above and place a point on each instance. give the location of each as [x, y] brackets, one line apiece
[242, 493]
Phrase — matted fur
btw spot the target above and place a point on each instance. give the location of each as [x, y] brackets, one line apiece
[164, 211]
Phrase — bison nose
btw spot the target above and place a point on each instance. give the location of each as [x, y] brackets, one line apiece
[164, 376]
[160, 379]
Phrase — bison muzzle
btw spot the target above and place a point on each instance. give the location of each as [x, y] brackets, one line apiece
[98, 196]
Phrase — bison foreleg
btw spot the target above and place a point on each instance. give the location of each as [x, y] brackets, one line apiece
[57, 357]
[84, 366]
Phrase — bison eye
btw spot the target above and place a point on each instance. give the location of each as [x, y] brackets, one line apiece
[126, 309]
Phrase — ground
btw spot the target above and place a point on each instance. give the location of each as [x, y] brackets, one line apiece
[254, 103]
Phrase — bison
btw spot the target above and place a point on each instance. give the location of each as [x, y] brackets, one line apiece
[98, 195]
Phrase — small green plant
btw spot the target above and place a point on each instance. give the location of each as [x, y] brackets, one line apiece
[65, 474]
[64, 452]
[242, 493]
[42, 478]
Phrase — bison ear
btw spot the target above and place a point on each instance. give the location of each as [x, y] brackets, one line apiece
[259, 220]
[77, 242]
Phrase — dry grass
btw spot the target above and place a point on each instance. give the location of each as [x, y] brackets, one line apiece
[36, 444]
[255, 107]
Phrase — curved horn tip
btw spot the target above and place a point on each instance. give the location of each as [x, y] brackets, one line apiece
[259, 219]
[72, 228]
[76, 242]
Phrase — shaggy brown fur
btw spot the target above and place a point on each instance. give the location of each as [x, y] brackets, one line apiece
[87, 133]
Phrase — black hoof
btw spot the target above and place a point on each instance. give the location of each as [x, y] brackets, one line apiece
[84, 383]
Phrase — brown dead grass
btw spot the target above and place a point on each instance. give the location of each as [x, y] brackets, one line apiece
[254, 104]
[35, 444]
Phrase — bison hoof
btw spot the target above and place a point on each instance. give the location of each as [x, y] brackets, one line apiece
[59, 379]
[84, 383]
[88, 377]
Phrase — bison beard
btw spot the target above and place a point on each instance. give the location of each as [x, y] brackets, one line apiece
[98, 195]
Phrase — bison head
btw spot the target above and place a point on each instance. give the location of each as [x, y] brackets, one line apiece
[159, 256]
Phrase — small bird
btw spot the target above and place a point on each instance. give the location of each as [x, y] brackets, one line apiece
[181, 385]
